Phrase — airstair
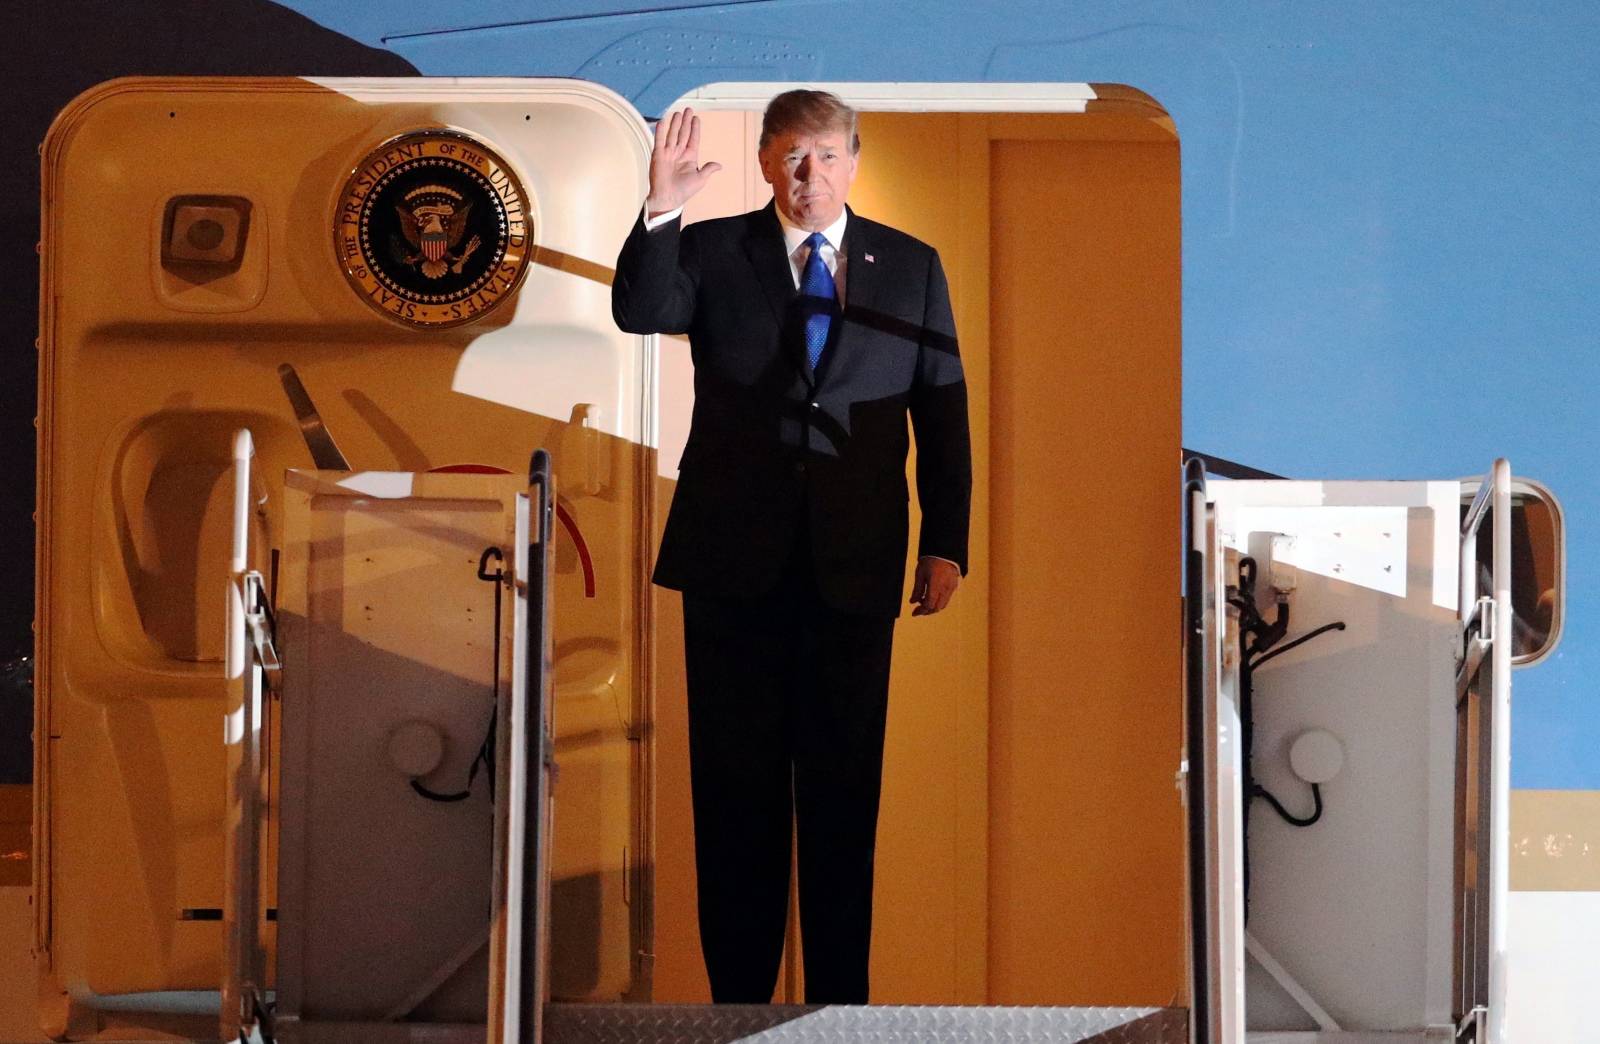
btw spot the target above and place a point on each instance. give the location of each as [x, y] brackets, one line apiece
[326, 988]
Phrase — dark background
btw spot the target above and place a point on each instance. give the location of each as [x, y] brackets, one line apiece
[68, 46]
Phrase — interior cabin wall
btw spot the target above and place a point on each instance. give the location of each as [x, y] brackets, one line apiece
[1086, 827]
[1030, 838]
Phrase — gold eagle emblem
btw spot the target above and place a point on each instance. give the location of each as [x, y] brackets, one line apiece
[433, 220]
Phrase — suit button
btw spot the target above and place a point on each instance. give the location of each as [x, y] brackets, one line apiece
[799, 467]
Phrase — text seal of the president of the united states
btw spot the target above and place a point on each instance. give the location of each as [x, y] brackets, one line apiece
[433, 229]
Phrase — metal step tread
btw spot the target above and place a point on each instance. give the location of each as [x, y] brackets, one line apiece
[778, 1023]
[875, 1024]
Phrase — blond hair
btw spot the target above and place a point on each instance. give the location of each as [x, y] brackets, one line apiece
[808, 112]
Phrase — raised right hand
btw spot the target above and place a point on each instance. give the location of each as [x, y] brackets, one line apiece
[675, 170]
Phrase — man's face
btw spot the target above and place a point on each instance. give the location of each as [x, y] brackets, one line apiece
[810, 175]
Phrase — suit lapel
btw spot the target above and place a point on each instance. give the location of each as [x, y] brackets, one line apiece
[763, 245]
[864, 262]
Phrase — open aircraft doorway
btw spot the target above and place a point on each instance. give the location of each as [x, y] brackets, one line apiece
[1028, 808]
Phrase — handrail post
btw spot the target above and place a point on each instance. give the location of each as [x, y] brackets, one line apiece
[1483, 756]
[518, 945]
[241, 903]
[1500, 719]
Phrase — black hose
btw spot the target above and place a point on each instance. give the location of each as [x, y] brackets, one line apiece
[485, 755]
[1304, 638]
[433, 795]
[1289, 817]
[1256, 637]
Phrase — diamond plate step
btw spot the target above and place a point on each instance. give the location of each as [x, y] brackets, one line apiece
[878, 1024]
[786, 1024]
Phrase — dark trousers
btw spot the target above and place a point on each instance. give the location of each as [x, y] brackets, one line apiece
[787, 701]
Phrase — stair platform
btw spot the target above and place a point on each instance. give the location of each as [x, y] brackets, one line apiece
[875, 1024]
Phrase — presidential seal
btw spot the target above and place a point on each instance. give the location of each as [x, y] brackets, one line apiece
[433, 229]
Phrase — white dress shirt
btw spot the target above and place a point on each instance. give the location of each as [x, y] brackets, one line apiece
[794, 241]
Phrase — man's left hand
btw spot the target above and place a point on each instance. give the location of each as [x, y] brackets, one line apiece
[935, 584]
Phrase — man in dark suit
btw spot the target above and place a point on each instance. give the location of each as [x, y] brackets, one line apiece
[814, 333]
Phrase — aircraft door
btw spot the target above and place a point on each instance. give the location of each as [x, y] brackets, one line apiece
[494, 216]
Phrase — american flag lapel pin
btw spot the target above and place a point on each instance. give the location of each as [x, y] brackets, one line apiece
[868, 258]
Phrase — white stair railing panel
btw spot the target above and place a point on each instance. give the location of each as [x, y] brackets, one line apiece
[1484, 772]
[243, 978]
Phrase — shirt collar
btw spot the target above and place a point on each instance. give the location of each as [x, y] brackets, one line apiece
[794, 236]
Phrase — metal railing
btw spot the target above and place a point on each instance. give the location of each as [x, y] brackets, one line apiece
[519, 940]
[1483, 758]
[249, 655]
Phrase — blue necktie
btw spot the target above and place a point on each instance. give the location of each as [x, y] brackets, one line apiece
[816, 284]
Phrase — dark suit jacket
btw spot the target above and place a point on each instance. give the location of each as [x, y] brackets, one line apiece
[772, 444]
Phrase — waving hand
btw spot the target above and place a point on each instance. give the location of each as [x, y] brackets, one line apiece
[675, 170]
